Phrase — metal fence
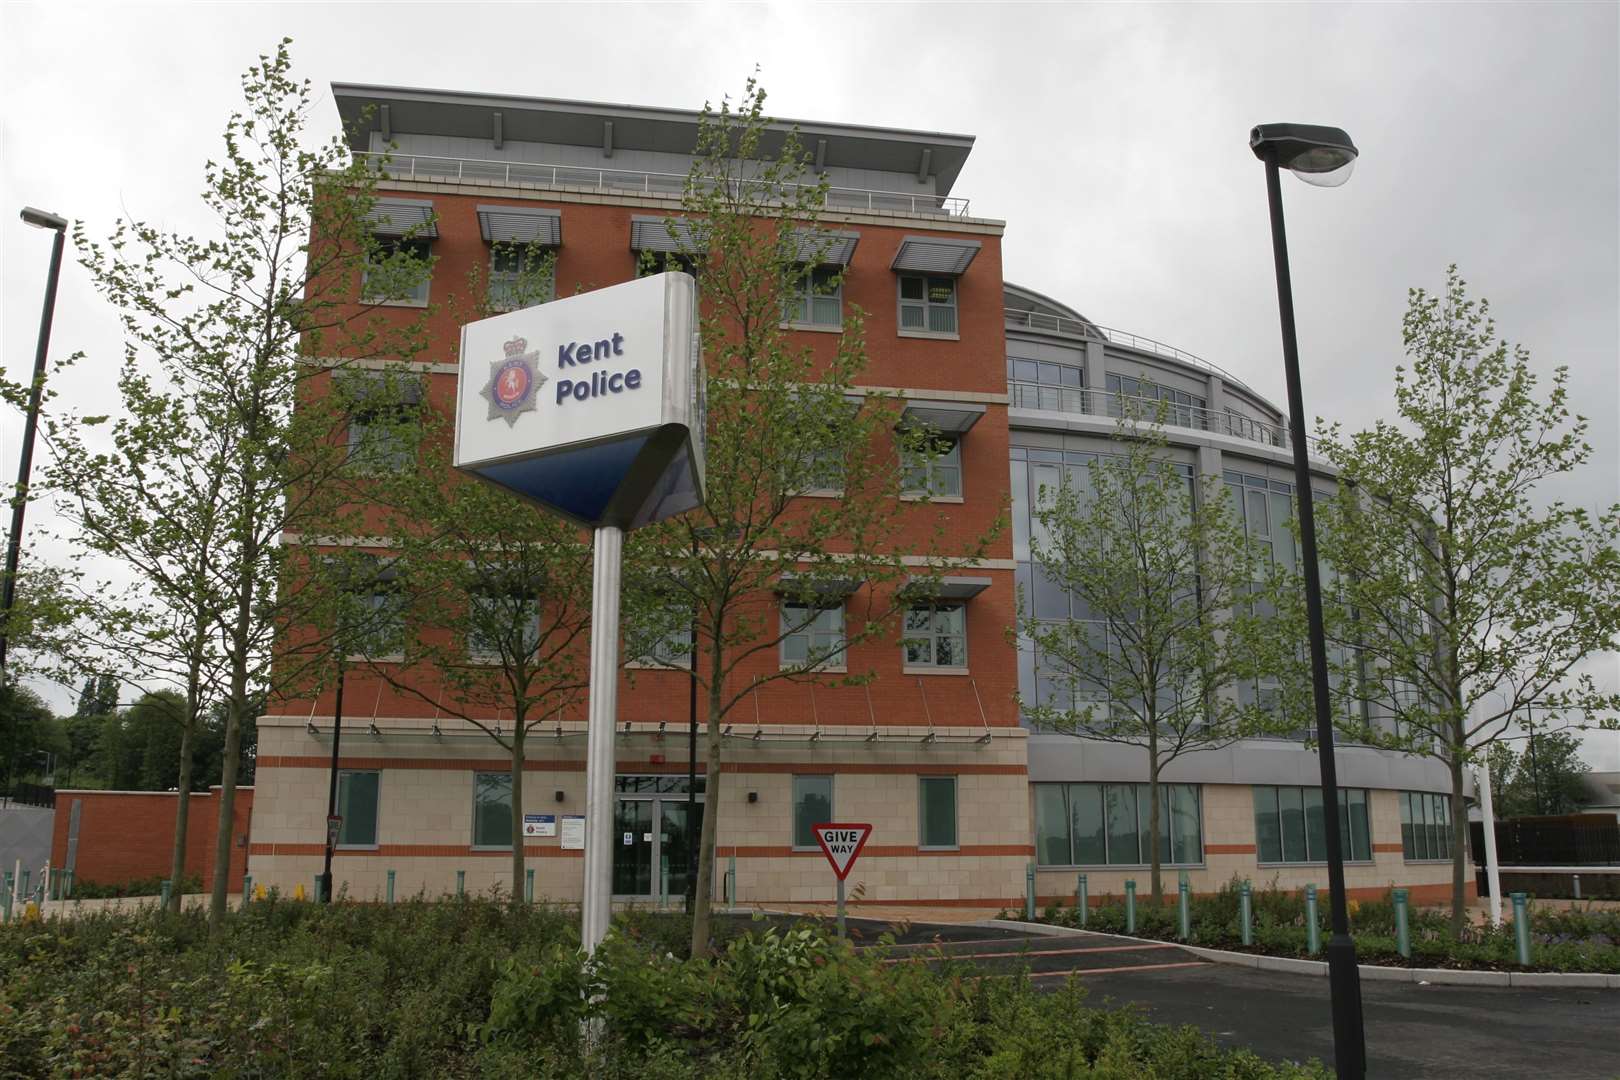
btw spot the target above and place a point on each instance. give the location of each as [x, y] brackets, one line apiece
[1568, 840]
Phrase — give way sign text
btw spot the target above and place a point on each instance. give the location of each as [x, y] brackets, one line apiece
[842, 842]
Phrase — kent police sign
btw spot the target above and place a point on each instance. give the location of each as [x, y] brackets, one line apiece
[590, 406]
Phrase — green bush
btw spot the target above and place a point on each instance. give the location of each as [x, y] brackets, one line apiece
[474, 988]
[152, 886]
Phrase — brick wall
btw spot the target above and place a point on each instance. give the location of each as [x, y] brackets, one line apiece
[124, 835]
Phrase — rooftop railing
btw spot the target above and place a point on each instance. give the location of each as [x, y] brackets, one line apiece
[533, 174]
[1058, 324]
[1087, 402]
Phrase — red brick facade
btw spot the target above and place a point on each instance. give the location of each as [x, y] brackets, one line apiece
[125, 835]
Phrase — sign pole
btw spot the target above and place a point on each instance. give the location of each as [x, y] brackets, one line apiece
[597, 905]
[841, 932]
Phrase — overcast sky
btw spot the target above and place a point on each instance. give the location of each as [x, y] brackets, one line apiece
[1111, 139]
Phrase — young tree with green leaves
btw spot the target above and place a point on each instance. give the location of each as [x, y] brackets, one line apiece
[1164, 590]
[759, 563]
[1543, 777]
[1461, 596]
[225, 334]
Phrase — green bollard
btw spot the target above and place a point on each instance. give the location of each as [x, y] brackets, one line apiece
[1130, 907]
[1246, 913]
[163, 896]
[461, 884]
[5, 905]
[247, 889]
[1521, 926]
[528, 886]
[1403, 932]
[390, 886]
[319, 892]
[23, 891]
[1186, 910]
[1313, 933]
[731, 883]
[1029, 892]
[67, 884]
[1082, 902]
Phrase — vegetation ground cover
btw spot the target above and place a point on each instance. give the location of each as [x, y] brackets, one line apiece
[477, 988]
[1560, 940]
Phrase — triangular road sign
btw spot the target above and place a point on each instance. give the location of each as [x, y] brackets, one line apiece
[842, 842]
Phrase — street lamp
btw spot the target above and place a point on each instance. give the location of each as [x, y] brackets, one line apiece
[39, 219]
[1324, 157]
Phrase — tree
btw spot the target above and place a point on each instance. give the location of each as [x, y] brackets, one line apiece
[1544, 778]
[1166, 617]
[1460, 597]
[35, 734]
[225, 335]
[756, 536]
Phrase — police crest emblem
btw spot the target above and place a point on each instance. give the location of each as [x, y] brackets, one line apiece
[514, 381]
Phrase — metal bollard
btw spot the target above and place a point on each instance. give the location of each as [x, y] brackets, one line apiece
[1246, 913]
[528, 887]
[731, 883]
[461, 884]
[247, 889]
[319, 892]
[163, 896]
[1521, 927]
[390, 886]
[1403, 931]
[1130, 907]
[1029, 891]
[67, 887]
[1577, 886]
[1186, 911]
[22, 890]
[1082, 903]
[1313, 933]
[5, 906]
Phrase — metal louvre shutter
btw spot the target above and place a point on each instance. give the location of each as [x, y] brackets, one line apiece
[825, 248]
[396, 217]
[520, 225]
[654, 234]
[934, 255]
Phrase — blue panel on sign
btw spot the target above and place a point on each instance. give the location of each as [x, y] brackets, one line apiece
[580, 483]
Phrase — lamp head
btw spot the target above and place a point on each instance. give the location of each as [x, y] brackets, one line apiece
[1322, 156]
[44, 219]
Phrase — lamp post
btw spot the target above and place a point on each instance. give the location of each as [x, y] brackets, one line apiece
[1324, 157]
[39, 219]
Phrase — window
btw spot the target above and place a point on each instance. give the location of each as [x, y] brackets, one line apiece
[376, 619]
[812, 806]
[674, 648]
[649, 263]
[937, 473]
[1039, 384]
[813, 636]
[1290, 826]
[815, 297]
[927, 304]
[1108, 824]
[397, 271]
[1426, 826]
[935, 635]
[495, 620]
[936, 811]
[1182, 409]
[492, 809]
[521, 277]
[357, 805]
[383, 409]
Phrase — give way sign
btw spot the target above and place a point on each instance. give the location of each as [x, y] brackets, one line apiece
[842, 842]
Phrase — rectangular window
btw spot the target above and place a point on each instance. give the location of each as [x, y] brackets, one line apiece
[1426, 826]
[521, 277]
[376, 620]
[813, 637]
[492, 809]
[397, 272]
[502, 626]
[815, 297]
[939, 473]
[936, 811]
[1290, 825]
[1109, 824]
[383, 410]
[812, 806]
[674, 649]
[927, 304]
[357, 805]
[935, 635]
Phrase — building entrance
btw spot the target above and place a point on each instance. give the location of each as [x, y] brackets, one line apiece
[651, 833]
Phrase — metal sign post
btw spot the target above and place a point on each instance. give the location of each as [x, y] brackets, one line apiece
[842, 842]
[591, 407]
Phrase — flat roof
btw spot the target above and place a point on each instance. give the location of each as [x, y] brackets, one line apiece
[635, 127]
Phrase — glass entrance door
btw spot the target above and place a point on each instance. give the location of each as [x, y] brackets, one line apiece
[650, 837]
[633, 848]
[674, 838]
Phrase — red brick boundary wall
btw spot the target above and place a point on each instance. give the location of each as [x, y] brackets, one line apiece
[124, 835]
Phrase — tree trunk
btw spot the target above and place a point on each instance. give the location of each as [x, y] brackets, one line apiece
[182, 810]
[703, 895]
[1155, 868]
[1459, 846]
[517, 810]
[227, 795]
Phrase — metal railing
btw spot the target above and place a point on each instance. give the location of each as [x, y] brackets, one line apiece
[1059, 324]
[1087, 402]
[629, 181]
